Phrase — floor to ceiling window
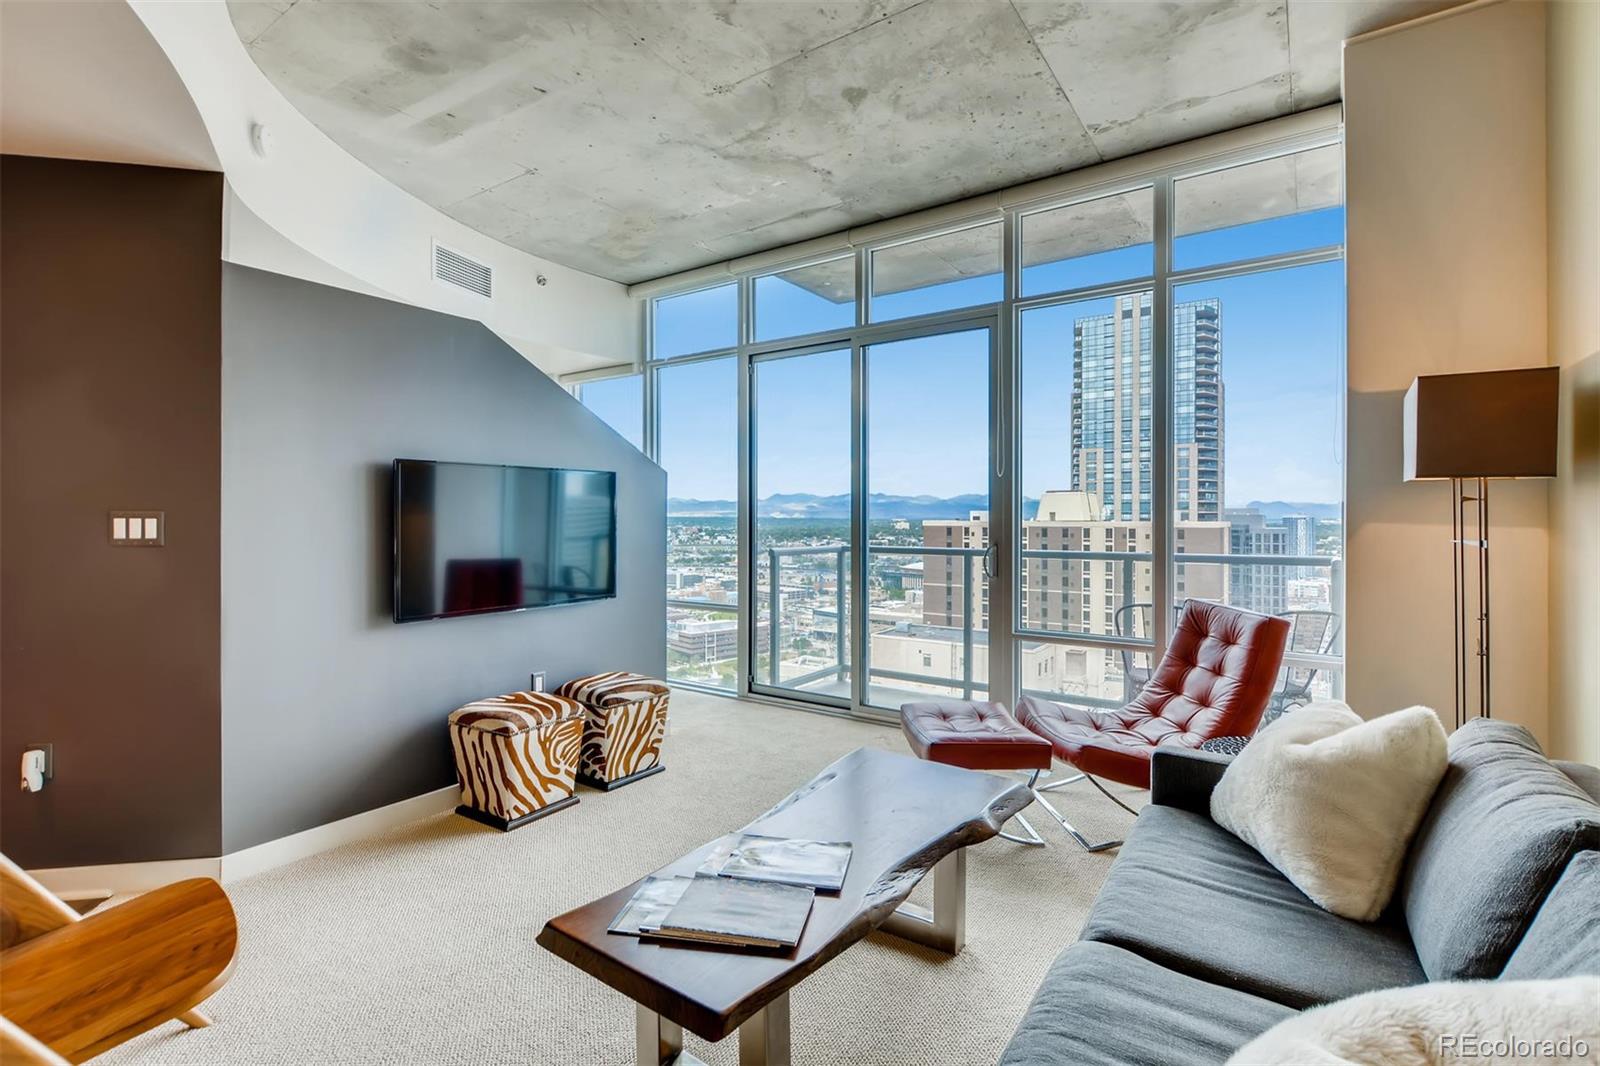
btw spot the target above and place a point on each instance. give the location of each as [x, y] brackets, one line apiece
[801, 486]
[999, 456]
[618, 402]
[694, 387]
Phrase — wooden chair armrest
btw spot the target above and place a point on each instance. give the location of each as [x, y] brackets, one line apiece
[90, 985]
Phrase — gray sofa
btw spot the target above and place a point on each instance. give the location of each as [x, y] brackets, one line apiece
[1195, 944]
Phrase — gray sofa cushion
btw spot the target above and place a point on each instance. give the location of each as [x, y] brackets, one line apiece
[1584, 776]
[1188, 894]
[1564, 939]
[1102, 1006]
[1501, 829]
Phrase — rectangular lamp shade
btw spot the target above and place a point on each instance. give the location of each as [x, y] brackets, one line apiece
[1498, 423]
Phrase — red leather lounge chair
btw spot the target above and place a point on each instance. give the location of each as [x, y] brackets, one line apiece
[1215, 680]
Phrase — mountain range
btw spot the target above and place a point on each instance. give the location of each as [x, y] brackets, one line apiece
[914, 508]
[1274, 510]
[807, 505]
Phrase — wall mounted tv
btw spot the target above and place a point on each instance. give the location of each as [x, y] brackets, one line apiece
[472, 539]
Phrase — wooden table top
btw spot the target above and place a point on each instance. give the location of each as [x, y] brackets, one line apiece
[901, 816]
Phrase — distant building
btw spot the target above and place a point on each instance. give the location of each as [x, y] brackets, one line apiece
[1302, 533]
[1302, 540]
[703, 641]
[1111, 409]
[1262, 587]
[1062, 595]
[943, 598]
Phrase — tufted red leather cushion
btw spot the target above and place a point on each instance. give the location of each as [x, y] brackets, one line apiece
[1214, 681]
[978, 736]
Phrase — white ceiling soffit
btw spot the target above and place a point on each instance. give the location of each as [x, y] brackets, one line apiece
[635, 138]
[87, 81]
[322, 201]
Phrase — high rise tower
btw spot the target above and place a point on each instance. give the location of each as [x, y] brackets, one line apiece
[1111, 409]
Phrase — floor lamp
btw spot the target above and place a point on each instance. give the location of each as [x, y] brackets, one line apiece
[1470, 429]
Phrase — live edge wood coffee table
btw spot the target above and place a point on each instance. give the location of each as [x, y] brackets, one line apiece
[903, 817]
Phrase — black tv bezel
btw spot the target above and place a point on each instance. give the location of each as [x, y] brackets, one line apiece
[394, 556]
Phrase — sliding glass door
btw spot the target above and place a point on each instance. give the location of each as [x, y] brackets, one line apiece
[927, 481]
[870, 482]
[801, 502]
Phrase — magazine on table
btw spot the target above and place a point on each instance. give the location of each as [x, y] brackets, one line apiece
[721, 848]
[644, 911]
[817, 864]
[737, 913]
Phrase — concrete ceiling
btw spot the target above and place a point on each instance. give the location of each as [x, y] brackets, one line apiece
[637, 138]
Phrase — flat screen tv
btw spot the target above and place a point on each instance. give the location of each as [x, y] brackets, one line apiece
[472, 539]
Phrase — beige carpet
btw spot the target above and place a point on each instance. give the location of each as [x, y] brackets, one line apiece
[417, 946]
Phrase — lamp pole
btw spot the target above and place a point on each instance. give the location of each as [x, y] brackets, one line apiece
[1474, 491]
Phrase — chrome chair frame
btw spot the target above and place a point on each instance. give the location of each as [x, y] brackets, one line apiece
[1038, 792]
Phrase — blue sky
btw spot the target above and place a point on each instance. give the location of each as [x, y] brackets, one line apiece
[1282, 344]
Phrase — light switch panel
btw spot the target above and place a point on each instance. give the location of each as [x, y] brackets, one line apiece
[138, 529]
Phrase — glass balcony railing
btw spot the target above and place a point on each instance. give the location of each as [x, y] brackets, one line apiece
[803, 615]
[929, 624]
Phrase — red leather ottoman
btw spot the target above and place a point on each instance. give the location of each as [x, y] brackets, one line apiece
[977, 736]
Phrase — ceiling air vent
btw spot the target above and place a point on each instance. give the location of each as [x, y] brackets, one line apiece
[453, 268]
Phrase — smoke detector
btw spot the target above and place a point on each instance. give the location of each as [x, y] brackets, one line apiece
[260, 139]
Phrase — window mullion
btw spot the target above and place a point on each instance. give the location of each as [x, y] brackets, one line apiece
[1161, 418]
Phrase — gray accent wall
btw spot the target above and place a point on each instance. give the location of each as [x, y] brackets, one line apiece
[329, 708]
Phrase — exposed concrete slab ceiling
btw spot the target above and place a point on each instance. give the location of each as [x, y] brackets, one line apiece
[634, 138]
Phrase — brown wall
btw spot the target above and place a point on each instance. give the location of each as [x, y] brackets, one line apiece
[110, 398]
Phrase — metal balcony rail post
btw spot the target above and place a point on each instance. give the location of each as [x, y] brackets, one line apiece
[966, 627]
[1336, 595]
[774, 619]
[839, 608]
[1127, 583]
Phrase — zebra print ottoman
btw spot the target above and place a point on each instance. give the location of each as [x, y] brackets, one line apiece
[626, 717]
[516, 756]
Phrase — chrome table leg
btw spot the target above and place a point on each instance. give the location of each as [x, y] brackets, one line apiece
[946, 927]
[764, 1037]
[660, 1041]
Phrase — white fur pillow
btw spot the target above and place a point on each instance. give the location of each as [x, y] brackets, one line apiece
[1332, 801]
[1484, 1023]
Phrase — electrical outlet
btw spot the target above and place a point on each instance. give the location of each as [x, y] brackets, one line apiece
[49, 758]
[536, 681]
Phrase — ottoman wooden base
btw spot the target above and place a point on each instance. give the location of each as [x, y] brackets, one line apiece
[496, 822]
[608, 786]
[625, 720]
